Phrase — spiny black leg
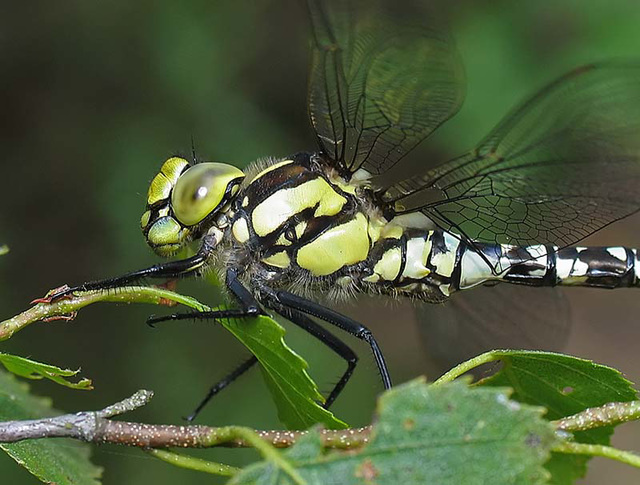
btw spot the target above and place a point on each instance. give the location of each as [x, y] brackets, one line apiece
[219, 386]
[327, 338]
[244, 297]
[341, 321]
[171, 269]
[212, 315]
[249, 306]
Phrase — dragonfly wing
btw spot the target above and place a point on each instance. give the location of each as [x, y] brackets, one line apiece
[379, 85]
[563, 165]
[493, 317]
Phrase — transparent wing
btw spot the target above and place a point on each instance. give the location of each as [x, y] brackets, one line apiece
[563, 165]
[488, 318]
[381, 81]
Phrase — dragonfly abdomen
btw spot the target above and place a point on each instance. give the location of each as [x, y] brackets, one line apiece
[540, 265]
[433, 264]
[425, 264]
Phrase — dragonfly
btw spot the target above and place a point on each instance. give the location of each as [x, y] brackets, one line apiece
[292, 235]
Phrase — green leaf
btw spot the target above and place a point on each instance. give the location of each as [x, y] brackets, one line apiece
[59, 461]
[564, 385]
[295, 394]
[37, 370]
[447, 434]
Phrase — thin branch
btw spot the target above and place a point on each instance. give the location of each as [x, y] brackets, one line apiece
[84, 425]
[95, 427]
[66, 308]
[607, 415]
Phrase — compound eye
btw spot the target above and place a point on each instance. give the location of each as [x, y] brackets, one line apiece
[201, 190]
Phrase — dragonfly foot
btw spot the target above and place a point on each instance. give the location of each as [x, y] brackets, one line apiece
[54, 295]
[66, 317]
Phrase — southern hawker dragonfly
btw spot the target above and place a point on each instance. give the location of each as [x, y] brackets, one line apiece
[343, 219]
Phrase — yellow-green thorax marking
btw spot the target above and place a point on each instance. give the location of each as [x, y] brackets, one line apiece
[296, 218]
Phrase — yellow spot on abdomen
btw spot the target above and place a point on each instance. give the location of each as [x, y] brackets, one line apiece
[388, 266]
[340, 246]
[444, 263]
[417, 253]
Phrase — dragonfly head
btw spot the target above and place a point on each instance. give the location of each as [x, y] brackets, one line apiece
[185, 200]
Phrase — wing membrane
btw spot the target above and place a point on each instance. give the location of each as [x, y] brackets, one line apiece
[563, 165]
[380, 85]
[488, 318]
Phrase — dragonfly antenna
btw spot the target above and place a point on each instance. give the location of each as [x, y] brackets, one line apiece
[193, 150]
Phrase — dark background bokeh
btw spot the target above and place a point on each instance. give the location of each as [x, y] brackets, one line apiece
[94, 96]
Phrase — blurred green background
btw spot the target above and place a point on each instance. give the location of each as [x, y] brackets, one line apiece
[94, 96]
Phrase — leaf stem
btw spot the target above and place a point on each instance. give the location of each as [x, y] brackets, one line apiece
[467, 366]
[193, 463]
[598, 450]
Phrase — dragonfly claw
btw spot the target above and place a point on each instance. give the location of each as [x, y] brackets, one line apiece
[54, 295]
[151, 321]
[67, 318]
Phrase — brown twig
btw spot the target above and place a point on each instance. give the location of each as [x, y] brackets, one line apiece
[95, 427]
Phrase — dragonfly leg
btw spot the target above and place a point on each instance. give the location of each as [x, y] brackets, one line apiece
[341, 321]
[223, 383]
[171, 269]
[251, 308]
[212, 315]
[334, 343]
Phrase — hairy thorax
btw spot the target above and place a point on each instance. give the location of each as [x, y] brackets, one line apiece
[297, 224]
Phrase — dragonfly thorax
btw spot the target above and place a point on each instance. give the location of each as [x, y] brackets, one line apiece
[185, 201]
[297, 224]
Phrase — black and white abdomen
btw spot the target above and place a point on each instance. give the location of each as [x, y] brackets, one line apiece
[422, 263]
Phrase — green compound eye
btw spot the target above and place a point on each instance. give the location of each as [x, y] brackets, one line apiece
[201, 190]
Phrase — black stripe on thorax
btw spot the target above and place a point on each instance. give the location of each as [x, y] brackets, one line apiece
[285, 177]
